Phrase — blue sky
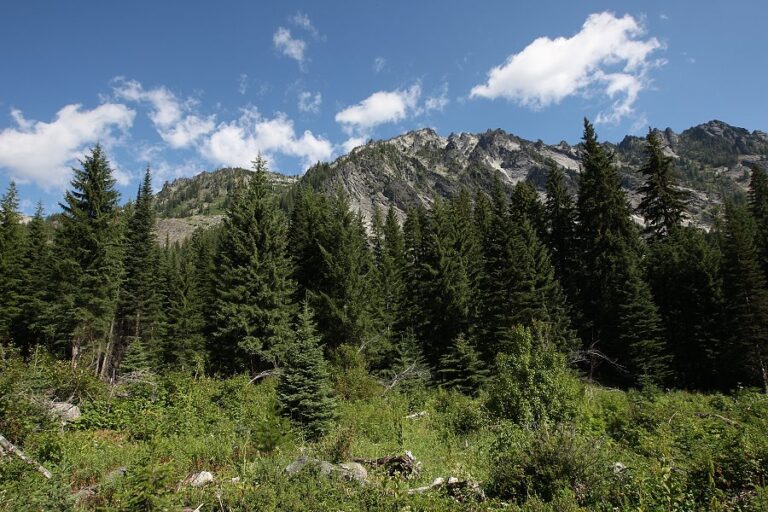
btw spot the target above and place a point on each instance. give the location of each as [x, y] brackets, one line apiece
[186, 86]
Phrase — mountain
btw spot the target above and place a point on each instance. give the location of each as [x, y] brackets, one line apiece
[712, 160]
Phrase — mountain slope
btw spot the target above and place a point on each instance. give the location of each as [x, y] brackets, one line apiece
[712, 160]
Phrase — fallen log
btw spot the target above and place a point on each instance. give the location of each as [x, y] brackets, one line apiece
[459, 490]
[8, 447]
[404, 465]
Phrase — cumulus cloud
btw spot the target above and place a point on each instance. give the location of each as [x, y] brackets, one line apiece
[40, 152]
[173, 119]
[379, 108]
[289, 46]
[238, 142]
[608, 55]
[310, 103]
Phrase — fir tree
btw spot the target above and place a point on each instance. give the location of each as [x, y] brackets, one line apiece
[618, 314]
[561, 233]
[34, 323]
[746, 297]
[525, 203]
[254, 291]
[391, 264]
[304, 390]
[758, 202]
[663, 204]
[140, 305]
[684, 275]
[12, 270]
[87, 252]
[461, 367]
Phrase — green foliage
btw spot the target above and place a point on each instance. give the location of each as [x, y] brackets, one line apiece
[254, 291]
[13, 273]
[304, 390]
[530, 384]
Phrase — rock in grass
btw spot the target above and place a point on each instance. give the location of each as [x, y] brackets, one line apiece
[200, 479]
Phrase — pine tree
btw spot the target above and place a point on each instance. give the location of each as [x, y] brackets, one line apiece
[525, 203]
[34, 323]
[461, 367]
[87, 252]
[254, 291]
[391, 264]
[619, 316]
[304, 390]
[140, 306]
[746, 297]
[12, 270]
[663, 204]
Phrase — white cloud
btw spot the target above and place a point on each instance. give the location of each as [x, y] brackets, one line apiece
[40, 152]
[301, 20]
[439, 101]
[379, 108]
[353, 142]
[310, 103]
[379, 63]
[289, 46]
[174, 121]
[242, 85]
[607, 55]
[238, 142]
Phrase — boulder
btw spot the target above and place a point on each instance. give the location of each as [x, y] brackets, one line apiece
[354, 471]
[200, 479]
[347, 470]
[65, 411]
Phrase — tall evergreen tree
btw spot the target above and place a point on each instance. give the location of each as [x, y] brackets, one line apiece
[12, 270]
[619, 316]
[87, 252]
[746, 297]
[461, 367]
[140, 306]
[663, 203]
[254, 291]
[525, 203]
[684, 275]
[561, 233]
[391, 264]
[304, 390]
[34, 324]
[758, 202]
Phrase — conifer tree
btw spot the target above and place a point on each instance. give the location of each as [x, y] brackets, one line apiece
[140, 306]
[254, 291]
[34, 323]
[461, 367]
[12, 270]
[525, 203]
[87, 252]
[684, 275]
[746, 297]
[561, 233]
[758, 202]
[304, 389]
[184, 344]
[391, 264]
[619, 316]
[663, 204]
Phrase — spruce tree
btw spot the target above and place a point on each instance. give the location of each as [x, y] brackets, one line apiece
[140, 306]
[12, 270]
[304, 389]
[87, 254]
[525, 203]
[254, 291]
[663, 203]
[746, 297]
[391, 265]
[619, 317]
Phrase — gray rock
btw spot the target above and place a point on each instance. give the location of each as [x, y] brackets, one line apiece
[65, 411]
[354, 471]
[347, 470]
[201, 479]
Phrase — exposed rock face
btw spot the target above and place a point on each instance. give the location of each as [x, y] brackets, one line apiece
[711, 160]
